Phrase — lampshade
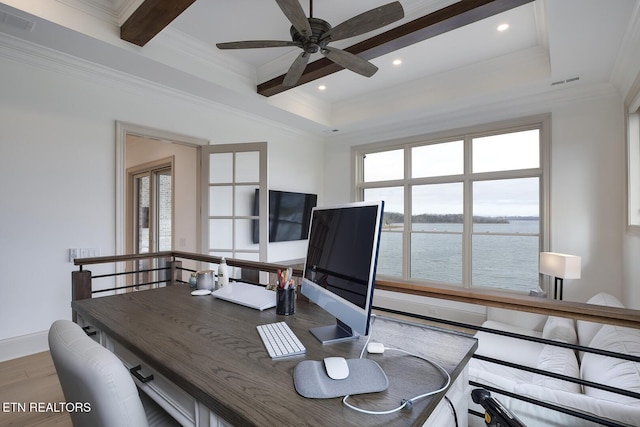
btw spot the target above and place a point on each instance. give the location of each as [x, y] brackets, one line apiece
[560, 265]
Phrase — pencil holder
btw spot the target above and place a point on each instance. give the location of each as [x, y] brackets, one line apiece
[286, 301]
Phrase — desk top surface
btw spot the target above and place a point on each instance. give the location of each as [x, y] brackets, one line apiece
[212, 350]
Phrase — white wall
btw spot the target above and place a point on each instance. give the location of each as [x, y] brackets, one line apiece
[57, 172]
[294, 169]
[587, 193]
[587, 176]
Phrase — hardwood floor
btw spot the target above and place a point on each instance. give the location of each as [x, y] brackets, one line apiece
[29, 381]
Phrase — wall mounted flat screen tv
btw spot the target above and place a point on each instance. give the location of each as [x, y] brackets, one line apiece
[289, 215]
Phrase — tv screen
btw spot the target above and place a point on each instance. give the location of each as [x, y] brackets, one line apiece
[289, 215]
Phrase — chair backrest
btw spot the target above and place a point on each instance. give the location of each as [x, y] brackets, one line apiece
[89, 373]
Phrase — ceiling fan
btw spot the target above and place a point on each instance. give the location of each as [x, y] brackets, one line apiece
[313, 35]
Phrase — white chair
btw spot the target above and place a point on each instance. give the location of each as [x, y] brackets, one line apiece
[89, 373]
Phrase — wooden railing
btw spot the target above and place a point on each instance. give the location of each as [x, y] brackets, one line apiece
[82, 288]
[574, 310]
[169, 270]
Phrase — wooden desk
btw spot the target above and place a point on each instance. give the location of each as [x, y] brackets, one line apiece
[211, 351]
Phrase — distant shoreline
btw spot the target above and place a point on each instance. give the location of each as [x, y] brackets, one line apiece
[391, 218]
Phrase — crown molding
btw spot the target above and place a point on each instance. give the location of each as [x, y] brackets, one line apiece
[113, 12]
[199, 52]
[505, 106]
[540, 13]
[436, 91]
[211, 97]
[304, 105]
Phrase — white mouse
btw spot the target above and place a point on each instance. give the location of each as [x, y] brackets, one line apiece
[336, 367]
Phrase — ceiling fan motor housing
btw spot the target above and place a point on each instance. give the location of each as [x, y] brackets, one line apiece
[312, 44]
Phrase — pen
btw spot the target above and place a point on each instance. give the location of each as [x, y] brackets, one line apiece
[281, 283]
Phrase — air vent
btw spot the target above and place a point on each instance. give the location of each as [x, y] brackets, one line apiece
[16, 22]
[569, 80]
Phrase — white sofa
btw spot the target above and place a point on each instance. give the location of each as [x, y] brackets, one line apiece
[588, 366]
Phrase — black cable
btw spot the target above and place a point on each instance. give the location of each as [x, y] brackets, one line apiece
[453, 409]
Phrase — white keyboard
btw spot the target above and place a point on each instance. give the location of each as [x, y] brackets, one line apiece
[279, 340]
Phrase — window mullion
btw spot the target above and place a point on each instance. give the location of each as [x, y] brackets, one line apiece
[408, 209]
[467, 206]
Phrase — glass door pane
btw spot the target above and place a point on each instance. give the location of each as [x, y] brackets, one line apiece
[233, 179]
[142, 196]
[232, 215]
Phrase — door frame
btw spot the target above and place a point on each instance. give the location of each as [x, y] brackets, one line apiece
[124, 129]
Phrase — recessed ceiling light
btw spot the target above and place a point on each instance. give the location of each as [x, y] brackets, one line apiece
[322, 87]
[397, 62]
[503, 27]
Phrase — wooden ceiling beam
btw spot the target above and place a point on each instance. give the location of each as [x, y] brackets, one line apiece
[447, 19]
[150, 18]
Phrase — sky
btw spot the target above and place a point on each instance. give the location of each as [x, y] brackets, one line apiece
[505, 197]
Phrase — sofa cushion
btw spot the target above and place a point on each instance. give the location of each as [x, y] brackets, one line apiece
[560, 329]
[587, 330]
[495, 375]
[506, 348]
[535, 416]
[521, 319]
[507, 327]
[611, 371]
[557, 360]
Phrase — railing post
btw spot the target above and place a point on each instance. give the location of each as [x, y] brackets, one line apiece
[174, 271]
[80, 287]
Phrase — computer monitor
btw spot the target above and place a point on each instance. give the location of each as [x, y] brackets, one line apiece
[340, 267]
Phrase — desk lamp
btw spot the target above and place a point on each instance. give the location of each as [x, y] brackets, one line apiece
[560, 266]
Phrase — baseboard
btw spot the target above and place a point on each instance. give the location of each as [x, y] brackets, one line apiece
[25, 345]
[432, 307]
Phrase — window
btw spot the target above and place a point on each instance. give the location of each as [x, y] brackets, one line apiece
[633, 169]
[466, 209]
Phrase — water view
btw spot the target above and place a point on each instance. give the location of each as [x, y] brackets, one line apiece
[504, 253]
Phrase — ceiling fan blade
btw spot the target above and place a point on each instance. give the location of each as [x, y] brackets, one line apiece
[365, 22]
[350, 61]
[296, 69]
[295, 14]
[255, 44]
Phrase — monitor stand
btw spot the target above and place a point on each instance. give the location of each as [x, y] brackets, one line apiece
[334, 333]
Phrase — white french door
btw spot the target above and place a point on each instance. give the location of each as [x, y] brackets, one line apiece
[234, 225]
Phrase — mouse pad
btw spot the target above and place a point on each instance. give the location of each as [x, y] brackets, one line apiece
[365, 376]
